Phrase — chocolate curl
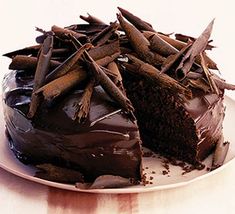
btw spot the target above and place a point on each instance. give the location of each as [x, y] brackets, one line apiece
[172, 59]
[198, 47]
[112, 66]
[92, 19]
[22, 62]
[40, 74]
[137, 66]
[221, 84]
[179, 45]
[78, 45]
[83, 107]
[87, 29]
[32, 50]
[136, 21]
[63, 84]
[110, 181]
[109, 86]
[185, 38]
[220, 153]
[107, 59]
[104, 50]
[208, 74]
[102, 37]
[54, 173]
[111, 89]
[140, 44]
[199, 83]
[160, 45]
[67, 64]
[64, 33]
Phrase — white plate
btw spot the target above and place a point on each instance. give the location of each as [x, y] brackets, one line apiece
[173, 179]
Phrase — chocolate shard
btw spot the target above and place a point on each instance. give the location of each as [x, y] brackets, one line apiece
[107, 59]
[67, 64]
[62, 85]
[83, 107]
[110, 181]
[135, 65]
[220, 153]
[221, 84]
[136, 21]
[179, 45]
[198, 47]
[40, 74]
[108, 85]
[186, 38]
[54, 173]
[21, 62]
[64, 33]
[173, 59]
[140, 44]
[161, 46]
[32, 50]
[92, 20]
[111, 89]
[105, 50]
[208, 74]
[102, 37]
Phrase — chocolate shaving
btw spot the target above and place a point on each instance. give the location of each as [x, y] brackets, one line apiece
[112, 66]
[64, 33]
[136, 21]
[40, 74]
[63, 84]
[54, 173]
[102, 37]
[92, 19]
[83, 107]
[110, 181]
[197, 48]
[186, 39]
[220, 153]
[221, 84]
[22, 62]
[67, 64]
[208, 74]
[179, 45]
[104, 50]
[110, 88]
[107, 59]
[140, 44]
[199, 83]
[32, 50]
[137, 66]
[160, 45]
[172, 59]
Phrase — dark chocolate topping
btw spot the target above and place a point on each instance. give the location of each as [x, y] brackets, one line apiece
[107, 138]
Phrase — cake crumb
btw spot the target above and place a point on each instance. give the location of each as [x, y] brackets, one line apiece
[148, 154]
[165, 172]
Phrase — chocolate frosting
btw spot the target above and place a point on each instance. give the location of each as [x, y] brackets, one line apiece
[107, 143]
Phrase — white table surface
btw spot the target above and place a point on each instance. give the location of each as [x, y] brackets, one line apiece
[214, 194]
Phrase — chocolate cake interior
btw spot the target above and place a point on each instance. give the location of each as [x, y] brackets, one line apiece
[164, 125]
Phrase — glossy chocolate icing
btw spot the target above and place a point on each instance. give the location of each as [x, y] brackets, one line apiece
[107, 143]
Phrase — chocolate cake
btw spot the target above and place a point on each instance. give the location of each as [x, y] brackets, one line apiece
[81, 103]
